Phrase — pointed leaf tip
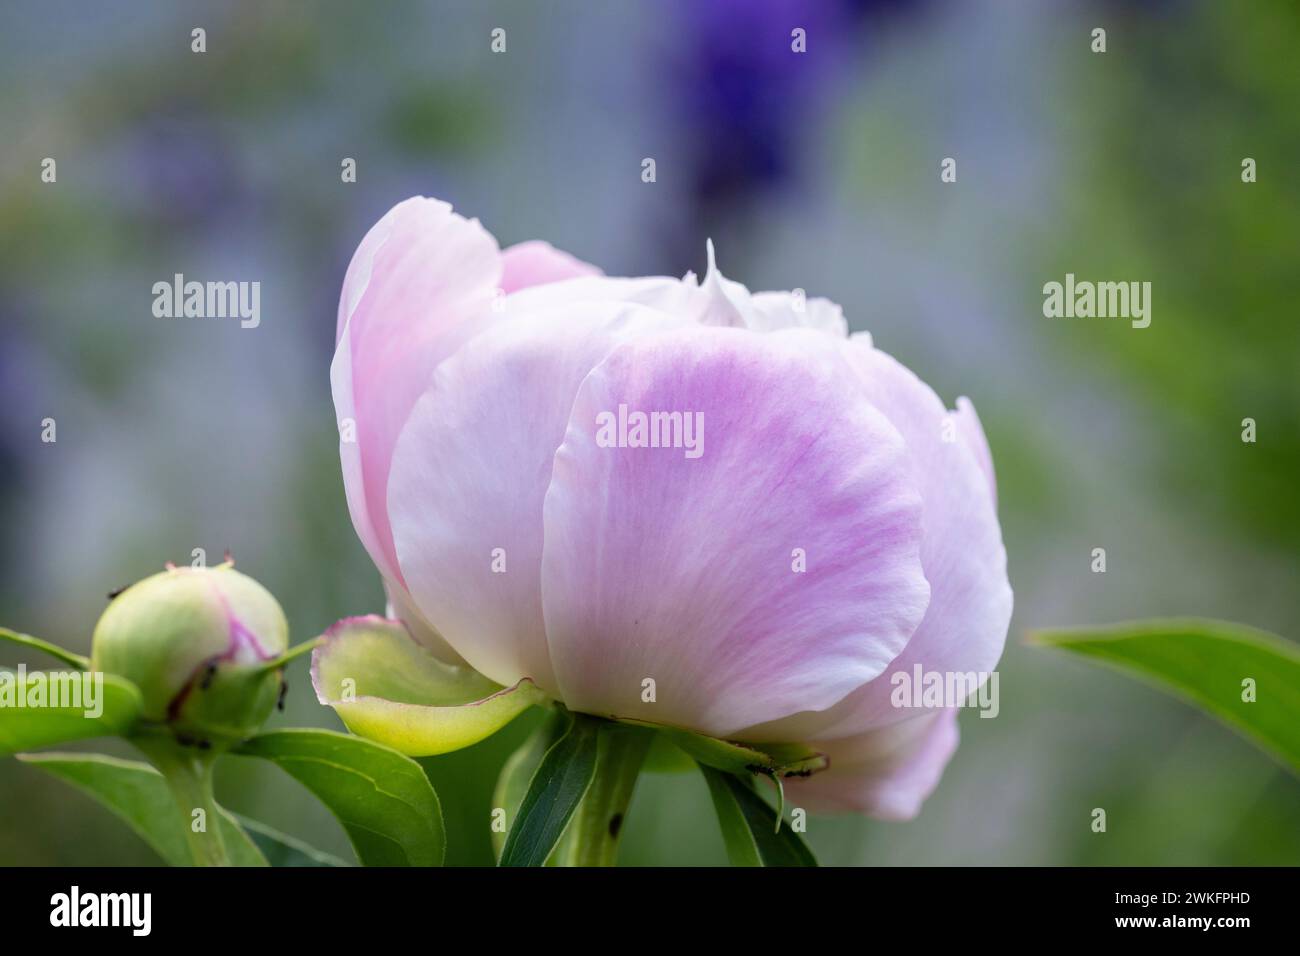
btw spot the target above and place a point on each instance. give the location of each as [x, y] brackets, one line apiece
[1248, 678]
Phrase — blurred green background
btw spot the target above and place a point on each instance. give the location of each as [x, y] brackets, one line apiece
[819, 171]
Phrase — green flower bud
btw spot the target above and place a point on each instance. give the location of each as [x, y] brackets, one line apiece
[196, 642]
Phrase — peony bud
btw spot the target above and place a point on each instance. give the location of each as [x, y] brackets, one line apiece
[196, 642]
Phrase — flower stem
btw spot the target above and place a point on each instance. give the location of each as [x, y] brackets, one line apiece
[189, 777]
[593, 834]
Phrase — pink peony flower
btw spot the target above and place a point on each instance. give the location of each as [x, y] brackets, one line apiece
[664, 500]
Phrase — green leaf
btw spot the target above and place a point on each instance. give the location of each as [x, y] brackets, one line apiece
[138, 794]
[749, 825]
[282, 850]
[389, 689]
[512, 783]
[554, 792]
[384, 801]
[116, 706]
[783, 760]
[45, 647]
[1210, 664]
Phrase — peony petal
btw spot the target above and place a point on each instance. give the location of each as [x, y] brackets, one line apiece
[965, 625]
[716, 301]
[537, 263]
[885, 773]
[421, 282]
[722, 301]
[784, 310]
[402, 696]
[681, 569]
[971, 432]
[402, 608]
[673, 296]
[471, 469]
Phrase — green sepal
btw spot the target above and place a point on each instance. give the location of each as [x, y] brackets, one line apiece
[554, 792]
[751, 827]
[781, 760]
[518, 770]
[389, 689]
